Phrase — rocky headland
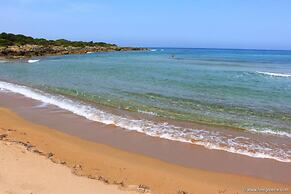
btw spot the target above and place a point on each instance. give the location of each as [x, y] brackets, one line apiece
[20, 46]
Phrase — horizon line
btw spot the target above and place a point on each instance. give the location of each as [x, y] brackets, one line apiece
[164, 47]
[215, 48]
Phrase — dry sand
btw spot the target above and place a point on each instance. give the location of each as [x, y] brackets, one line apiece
[24, 172]
[108, 164]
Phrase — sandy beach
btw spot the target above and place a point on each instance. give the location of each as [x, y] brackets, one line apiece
[145, 97]
[57, 151]
[26, 172]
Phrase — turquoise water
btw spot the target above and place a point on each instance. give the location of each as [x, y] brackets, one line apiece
[246, 89]
[201, 85]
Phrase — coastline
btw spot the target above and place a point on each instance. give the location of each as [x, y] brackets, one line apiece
[141, 168]
[236, 142]
[20, 53]
[18, 46]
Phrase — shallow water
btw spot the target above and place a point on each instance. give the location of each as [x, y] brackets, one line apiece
[246, 89]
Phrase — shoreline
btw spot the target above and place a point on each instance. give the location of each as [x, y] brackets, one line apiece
[245, 143]
[114, 166]
[90, 51]
[17, 46]
[179, 155]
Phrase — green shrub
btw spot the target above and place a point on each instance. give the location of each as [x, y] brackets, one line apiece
[8, 39]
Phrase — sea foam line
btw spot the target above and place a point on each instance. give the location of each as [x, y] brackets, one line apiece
[271, 132]
[33, 60]
[208, 139]
[274, 74]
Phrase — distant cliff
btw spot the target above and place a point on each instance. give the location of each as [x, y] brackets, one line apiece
[17, 46]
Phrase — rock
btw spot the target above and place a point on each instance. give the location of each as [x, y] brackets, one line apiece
[91, 177]
[182, 192]
[2, 136]
[49, 155]
[119, 183]
[100, 178]
[78, 166]
[56, 160]
[29, 146]
[143, 188]
[39, 50]
[37, 151]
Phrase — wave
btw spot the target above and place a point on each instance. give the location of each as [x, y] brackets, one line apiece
[271, 132]
[208, 139]
[3, 90]
[32, 60]
[146, 112]
[274, 74]
[153, 50]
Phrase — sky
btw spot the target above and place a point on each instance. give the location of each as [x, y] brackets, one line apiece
[254, 24]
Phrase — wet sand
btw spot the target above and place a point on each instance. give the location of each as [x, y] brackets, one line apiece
[170, 151]
[144, 161]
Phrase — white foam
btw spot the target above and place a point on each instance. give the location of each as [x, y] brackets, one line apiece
[274, 74]
[271, 132]
[153, 50]
[146, 112]
[33, 60]
[42, 105]
[3, 90]
[208, 139]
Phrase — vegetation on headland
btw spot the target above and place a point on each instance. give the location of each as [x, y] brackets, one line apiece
[8, 39]
[18, 45]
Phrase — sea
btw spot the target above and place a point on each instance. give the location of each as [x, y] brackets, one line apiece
[226, 99]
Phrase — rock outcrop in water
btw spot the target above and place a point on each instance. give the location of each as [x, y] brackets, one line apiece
[18, 46]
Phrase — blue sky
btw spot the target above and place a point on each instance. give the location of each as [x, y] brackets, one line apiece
[258, 24]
